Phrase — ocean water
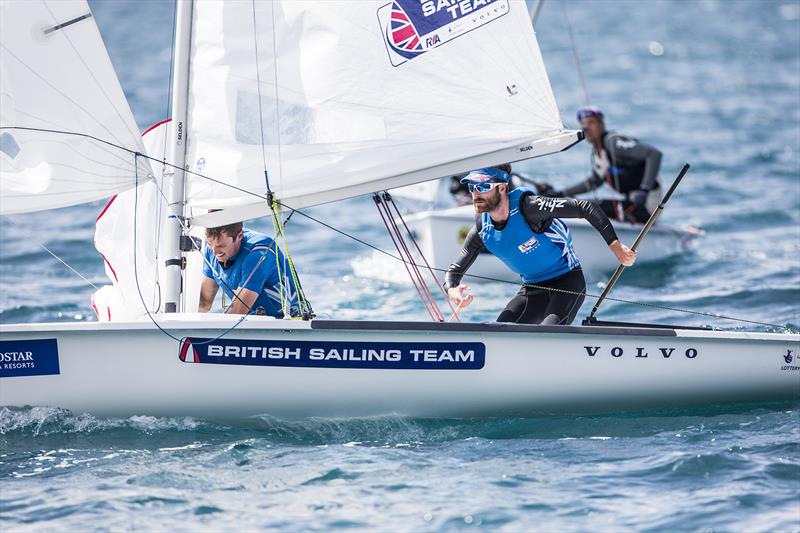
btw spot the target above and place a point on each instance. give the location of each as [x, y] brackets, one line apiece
[714, 83]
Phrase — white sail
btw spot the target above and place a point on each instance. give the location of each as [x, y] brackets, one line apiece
[340, 98]
[67, 135]
[127, 236]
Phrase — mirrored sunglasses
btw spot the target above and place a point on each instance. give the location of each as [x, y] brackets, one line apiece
[484, 186]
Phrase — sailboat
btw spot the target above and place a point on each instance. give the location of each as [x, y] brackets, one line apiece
[440, 233]
[308, 102]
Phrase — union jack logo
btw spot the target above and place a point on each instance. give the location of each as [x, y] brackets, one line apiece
[401, 34]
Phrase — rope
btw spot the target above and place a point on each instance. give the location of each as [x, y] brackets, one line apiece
[69, 267]
[575, 57]
[303, 303]
[410, 234]
[411, 267]
[258, 92]
[361, 241]
[277, 227]
[589, 295]
[136, 269]
[46, 249]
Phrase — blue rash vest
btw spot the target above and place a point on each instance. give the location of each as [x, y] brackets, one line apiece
[248, 270]
[534, 256]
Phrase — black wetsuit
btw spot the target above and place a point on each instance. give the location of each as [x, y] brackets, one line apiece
[536, 302]
[630, 166]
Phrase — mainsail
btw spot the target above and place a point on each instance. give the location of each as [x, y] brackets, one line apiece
[67, 135]
[339, 98]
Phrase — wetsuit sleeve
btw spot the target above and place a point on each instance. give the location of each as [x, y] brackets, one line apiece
[540, 210]
[473, 245]
[622, 149]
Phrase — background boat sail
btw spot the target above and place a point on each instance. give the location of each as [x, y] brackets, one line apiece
[269, 92]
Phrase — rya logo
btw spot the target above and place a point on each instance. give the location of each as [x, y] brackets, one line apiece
[413, 27]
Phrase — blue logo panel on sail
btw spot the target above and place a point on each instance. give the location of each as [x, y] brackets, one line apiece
[412, 27]
[381, 355]
[29, 358]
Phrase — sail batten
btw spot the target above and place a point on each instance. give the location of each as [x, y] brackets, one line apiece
[346, 97]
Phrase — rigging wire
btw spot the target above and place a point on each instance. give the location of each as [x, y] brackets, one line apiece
[356, 239]
[46, 249]
[258, 93]
[411, 268]
[59, 259]
[398, 216]
[277, 228]
[588, 295]
[136, 270]
[575, 57]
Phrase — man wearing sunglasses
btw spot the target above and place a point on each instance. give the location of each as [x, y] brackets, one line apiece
[625, 164]
[525, 232]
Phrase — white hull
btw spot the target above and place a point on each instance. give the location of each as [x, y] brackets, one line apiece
[127, 369]
[440, 235]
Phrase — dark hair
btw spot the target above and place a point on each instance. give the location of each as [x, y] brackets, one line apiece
[231, 230]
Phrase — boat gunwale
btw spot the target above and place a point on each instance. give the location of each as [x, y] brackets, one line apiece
[210, 323]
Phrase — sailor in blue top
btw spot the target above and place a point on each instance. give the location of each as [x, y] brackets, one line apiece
[524, 231]
[251, 270]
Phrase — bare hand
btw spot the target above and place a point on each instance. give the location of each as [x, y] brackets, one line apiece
[624, 255]
[457, 296]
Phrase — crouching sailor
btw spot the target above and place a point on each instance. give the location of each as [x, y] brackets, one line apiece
[524, 231]
[252, 271]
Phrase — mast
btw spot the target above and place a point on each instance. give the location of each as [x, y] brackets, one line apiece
[176, 140]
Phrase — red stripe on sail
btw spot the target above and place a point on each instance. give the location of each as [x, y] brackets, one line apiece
[154, 126]
[111, 267]
[103, 212]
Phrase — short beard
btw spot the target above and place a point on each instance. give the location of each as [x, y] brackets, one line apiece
[488, 203]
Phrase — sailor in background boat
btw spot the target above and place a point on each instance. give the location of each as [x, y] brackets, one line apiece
[251, 270]
[523, 230]
[627, 165]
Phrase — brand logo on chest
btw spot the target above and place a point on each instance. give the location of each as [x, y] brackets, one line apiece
[529, 245]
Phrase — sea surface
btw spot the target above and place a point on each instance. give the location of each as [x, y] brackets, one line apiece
[712, 83]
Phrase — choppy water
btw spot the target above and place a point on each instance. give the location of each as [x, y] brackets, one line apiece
[713, 83]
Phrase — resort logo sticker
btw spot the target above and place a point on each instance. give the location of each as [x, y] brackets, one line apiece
[29, 358]
[376, 355]
[412, 27]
